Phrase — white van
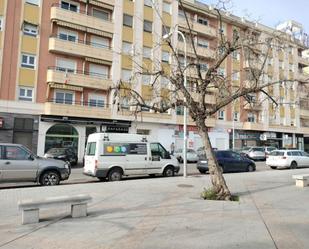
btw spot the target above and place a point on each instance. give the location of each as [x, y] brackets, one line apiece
[113, 155]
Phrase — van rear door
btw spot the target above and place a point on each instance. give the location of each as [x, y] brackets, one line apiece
[90, 163]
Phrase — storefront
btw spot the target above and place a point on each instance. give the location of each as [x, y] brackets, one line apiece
[72, 132]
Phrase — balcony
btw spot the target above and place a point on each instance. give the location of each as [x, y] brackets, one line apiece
[81, 19]
[76, 110]
[253, 126]
[198, 27]
[79, 78]
[304, 61]
[255, 106]
[210, 122]
[80, 49]
[201, 51]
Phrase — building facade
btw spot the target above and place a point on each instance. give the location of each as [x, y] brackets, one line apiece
[60, 60]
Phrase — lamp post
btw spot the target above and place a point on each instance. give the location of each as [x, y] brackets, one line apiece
[185, 138]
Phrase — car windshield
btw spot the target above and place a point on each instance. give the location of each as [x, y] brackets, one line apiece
[277, 153]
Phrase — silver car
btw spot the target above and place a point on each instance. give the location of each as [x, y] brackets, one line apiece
[256, 153]
[18, 164]
[191, 155]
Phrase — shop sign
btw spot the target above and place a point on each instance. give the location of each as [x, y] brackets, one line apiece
[1, 122]
[248, 136]
[117, 129]
[189, 128]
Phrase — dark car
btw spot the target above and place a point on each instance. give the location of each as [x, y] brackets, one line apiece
[64, 154]
[230, 161]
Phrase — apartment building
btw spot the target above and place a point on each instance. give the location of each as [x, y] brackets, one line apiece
[61, 58]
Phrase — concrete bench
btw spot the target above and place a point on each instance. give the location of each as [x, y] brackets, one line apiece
[30, 208]
[301, 180]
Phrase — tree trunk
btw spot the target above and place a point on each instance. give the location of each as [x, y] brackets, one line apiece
[215, 171]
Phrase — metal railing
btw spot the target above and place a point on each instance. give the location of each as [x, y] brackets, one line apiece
[81, 72]
[78, 10]
[89, 43]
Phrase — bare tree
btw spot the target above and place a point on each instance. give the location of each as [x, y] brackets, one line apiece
[247, 42]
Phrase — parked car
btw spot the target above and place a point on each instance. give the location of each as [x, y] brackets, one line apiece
[287, 159]
[230, 161]
[255, 153]
[192, 156]
[269, 149]
[18, 164]
[64, 154]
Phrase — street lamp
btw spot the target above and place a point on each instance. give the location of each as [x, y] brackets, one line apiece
[166, 36]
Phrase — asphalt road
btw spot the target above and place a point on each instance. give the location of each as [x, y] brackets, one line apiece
[77, 176]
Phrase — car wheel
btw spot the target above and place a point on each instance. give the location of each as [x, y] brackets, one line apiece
[202, 171]
[250, 168]
[115, 175]
[273, 167]
[49, 178]
[293, 165]
[169, 171]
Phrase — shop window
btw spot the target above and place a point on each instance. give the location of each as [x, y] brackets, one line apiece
[23, 124]
[62, 136]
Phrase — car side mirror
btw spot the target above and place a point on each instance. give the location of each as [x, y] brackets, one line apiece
[31, 157]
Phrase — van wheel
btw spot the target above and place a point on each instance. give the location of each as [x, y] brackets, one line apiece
[293, 165]
[49, 178]
[114, 175]
[169, 171]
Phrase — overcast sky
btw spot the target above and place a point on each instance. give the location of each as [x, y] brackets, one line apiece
[271, 12]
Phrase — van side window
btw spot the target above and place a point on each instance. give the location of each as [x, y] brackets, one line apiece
[158, 150]
[91, 148]
[1, 152]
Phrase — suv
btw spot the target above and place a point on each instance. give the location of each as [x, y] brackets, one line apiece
[18, 164]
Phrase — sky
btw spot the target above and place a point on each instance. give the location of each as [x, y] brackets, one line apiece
[270, 12]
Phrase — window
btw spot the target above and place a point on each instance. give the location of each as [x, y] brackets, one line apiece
[99, 42]
[69, 6]
[91, 147]
[147, 52]
[165, 56]
[25, 93]
[127, 47]
[147, 26]
[291, 67]
[126, 74]
[221, 72]
[30, 29]
[146, 79]
[64, 97]
[124, 103]
[204, 66]
[148, 3]
[164, 81]
[23, 124]
[221, 115]
[202, 20]
[270, 61]
[100, 71]
[236, 55]
[251, 117]
[96, 100]
[235, 75]
[201, 42]
[28, 61]
[16, 153]
[236, 116]
[104, 15]
[167, 7]
[34, 2]
[127, 20]
[165, 30]
[1, 23]
[67, 35]
[64, 65]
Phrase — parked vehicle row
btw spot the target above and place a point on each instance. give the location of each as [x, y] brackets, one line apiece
[257, 153]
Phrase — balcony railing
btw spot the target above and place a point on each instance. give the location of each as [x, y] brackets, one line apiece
[81, 72]
[89, 43]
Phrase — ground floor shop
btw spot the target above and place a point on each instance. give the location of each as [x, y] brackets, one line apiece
[243, 138]
[20, 129]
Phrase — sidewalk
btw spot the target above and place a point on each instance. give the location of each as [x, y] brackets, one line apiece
[166, 213]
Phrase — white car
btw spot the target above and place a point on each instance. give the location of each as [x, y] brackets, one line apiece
[191, 155]
[287, 159]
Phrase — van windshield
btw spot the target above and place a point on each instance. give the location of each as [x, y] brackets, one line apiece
[91, 148]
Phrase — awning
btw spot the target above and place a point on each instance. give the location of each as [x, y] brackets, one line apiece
[71, 25]
[99, 32]
[98, 61]
[100, 4]
[65, 87]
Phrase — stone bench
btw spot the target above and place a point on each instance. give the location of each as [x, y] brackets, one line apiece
[30, 208]
[301, 180]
